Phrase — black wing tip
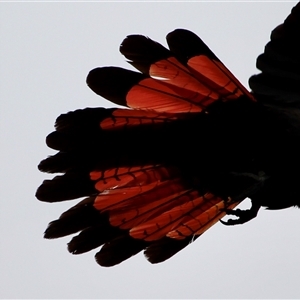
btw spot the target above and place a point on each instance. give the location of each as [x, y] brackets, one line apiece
[179, 32]
[42, 192]
[118, 250]
[78, 218]
[186, 44]
[164, 249]
[76, 246]
[141, 52]
[133, 39]
[53, 230]
[113, 83]
[65, 187]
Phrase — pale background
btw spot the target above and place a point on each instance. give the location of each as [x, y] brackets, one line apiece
[47, 49]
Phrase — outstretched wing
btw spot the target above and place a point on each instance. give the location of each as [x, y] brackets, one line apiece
[153, 174]
[184, 80]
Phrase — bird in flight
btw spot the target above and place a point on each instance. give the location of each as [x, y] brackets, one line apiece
[190, 144]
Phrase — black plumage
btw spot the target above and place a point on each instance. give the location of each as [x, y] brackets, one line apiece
[193, 144]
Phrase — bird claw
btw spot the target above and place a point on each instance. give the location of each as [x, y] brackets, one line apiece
[243, 215]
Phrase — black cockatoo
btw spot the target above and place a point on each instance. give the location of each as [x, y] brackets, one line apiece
[189, 145]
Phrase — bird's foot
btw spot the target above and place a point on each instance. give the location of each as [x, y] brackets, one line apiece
[243, 215]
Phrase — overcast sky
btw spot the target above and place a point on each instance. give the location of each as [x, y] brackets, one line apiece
[47, 49]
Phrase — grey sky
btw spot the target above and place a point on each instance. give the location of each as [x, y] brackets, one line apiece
[47, 49]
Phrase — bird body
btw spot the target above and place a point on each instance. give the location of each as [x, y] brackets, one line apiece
[189, 146]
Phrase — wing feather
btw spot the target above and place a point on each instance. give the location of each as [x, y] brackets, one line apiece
[153, 173]
[168, 84]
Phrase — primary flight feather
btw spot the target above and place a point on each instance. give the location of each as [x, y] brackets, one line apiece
[189, 145]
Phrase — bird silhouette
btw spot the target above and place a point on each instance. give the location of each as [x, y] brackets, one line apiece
[190, 144]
